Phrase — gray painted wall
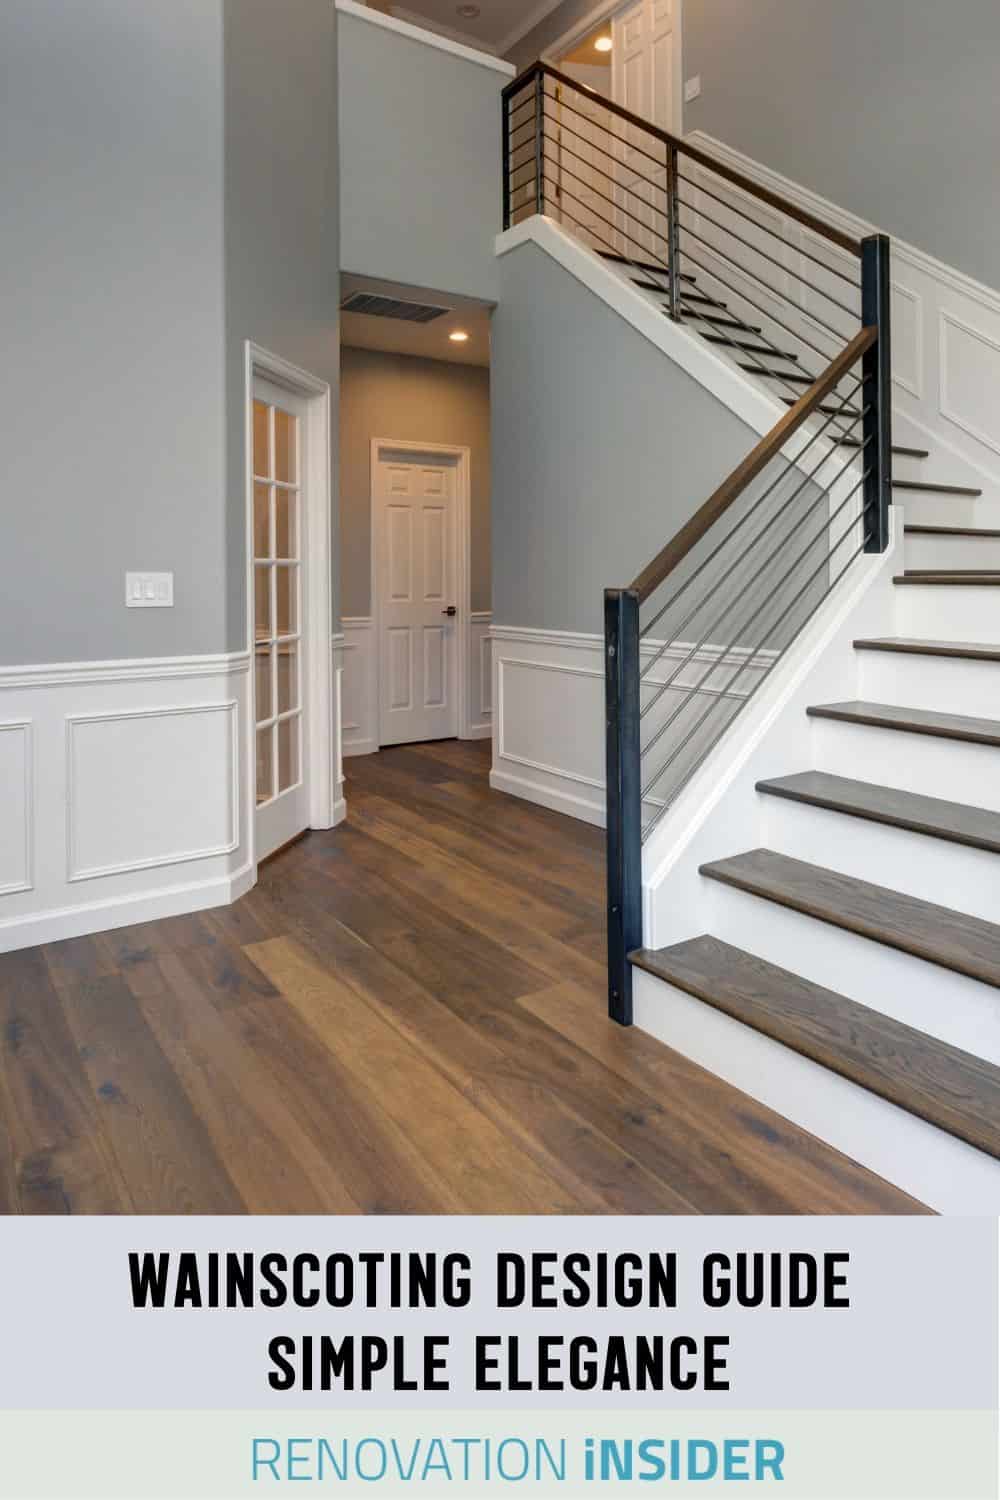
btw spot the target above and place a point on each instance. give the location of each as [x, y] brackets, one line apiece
[602, 448]
[420, 161]
[111, 305]
[281, 224]
[888, 109]
[415, 400]
[173, 170]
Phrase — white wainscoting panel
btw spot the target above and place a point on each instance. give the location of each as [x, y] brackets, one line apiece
[125, 793]
[151, 787]
[360, 700]
[946, 338]
[16, 820]
[548, 685]
[479, 696]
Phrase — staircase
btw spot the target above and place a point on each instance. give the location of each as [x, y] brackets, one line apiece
[844, 968]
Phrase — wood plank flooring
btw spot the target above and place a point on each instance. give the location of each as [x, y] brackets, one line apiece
[406, 1015]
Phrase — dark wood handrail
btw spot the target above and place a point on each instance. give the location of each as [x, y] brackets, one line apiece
[774, 200]
[769, 447]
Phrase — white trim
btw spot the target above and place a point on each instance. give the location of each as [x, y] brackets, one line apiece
[323, 730]
[155, 862]
[140, 669]
[25, 727]
[421, 34]
[463, 562]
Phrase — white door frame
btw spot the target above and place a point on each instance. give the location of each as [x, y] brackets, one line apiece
[603, 11]
[463, 546]
[321, 751]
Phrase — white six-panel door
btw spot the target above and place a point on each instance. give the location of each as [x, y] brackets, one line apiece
[642, 75]
[415, 515]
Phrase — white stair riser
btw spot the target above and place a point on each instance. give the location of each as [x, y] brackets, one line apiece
[946, 683]
[961, 1011]
[947, 552]
[957, 770]
[947, 1174]
[944, 612]
[936, 870]
[939, 510]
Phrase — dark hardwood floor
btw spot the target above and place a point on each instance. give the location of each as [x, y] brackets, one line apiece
[405, 1016]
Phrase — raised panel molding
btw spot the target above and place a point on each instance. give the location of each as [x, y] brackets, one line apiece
[17, 831]
[141, 788]
[908, 340]
[970, 402]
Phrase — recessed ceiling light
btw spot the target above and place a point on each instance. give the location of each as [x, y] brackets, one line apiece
[459, 336]
[603, 44]
[467, 12]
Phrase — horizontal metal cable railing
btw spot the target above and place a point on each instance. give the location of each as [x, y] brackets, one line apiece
[698, 632]
[794, 302]
[771, 285]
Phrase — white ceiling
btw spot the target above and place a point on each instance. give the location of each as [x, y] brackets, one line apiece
[498, 26]
[426, 340]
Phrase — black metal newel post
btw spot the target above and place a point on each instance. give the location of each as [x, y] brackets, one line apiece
[540, 142]
[624, 795]
[673, 234]
[876, 372]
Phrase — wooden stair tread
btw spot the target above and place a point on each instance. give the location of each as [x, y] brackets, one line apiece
[949, 1088]
[913, 720]
[720, 338]
[897, 448]
[956, 578]
[958, 822]
[949, 531]
[913, 646]
[693, 315]
[828, 411]
[925, 487]
[952, 939]
[787, 375]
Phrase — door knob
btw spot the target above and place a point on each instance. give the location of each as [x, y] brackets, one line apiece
[451, 610]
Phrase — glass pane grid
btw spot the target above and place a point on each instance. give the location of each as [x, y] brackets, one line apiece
[277, 601]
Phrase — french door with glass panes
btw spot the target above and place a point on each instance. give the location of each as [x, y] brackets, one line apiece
[279, 548]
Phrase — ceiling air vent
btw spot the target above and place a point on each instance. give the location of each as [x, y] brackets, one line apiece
[391, 307]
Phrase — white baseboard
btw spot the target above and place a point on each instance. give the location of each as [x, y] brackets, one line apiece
[339, 812]
[547, 796]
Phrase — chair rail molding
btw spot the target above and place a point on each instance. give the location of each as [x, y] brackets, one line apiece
[120, 792]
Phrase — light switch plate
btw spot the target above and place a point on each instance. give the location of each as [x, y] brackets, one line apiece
[149, 590]
[692, 88]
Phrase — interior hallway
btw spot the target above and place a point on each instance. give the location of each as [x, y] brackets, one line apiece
[405, 1016]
